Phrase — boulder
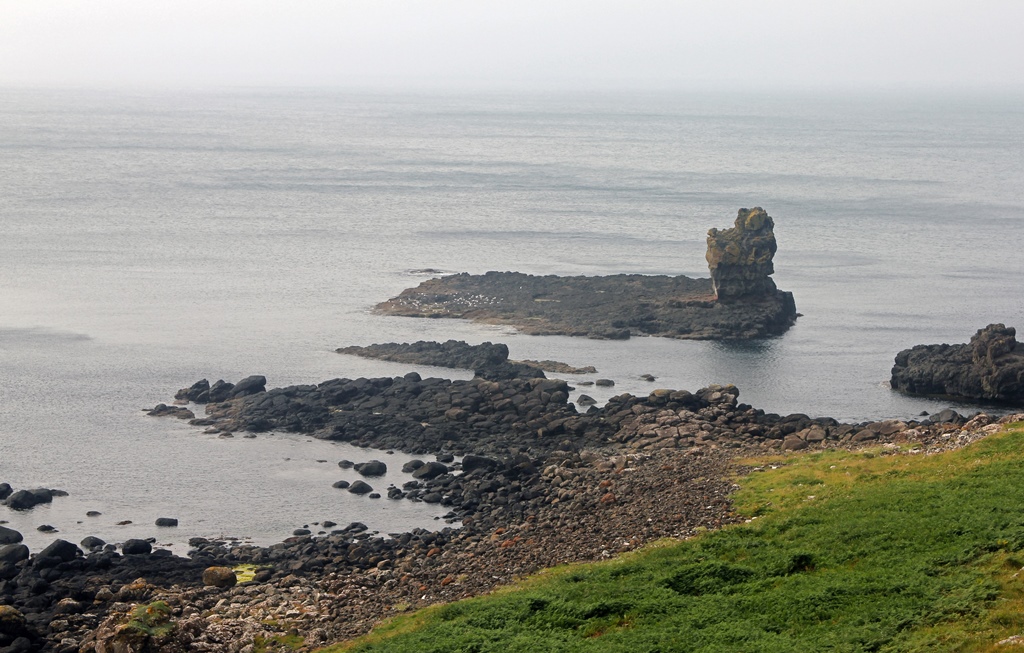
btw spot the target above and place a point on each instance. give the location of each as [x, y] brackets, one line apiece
[220, 391]
[198, 392]
[9, 536]
[13, 553]
[166, 522]
[430, 470]
[341, 485]
[360, 487]
[13, 624]
[28, 499]
[740, 259]
[372, 468]
[5, 491]
[471, 463]
[92, 542]
[136, 547]
[163, 410]
[412, 466]
[219, 577]
[62, 549]
[250, 385]
[988, 368]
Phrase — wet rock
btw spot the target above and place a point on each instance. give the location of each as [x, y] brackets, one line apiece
[13, 553]
[472, 463]
[9, 536]
[220, 391]
[372, 468]
[5, 491]
[412, 466]
[604, 383]
[360, 487]
[198, 392]
[340, 485]
[28, 499]
[163, 410]
[250, 385]
[136, 547]
[61, 549]
[166, 522]
[92, 543]
[988, 368]
[430, 470]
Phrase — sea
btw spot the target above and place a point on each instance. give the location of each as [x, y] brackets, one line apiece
[149, 239]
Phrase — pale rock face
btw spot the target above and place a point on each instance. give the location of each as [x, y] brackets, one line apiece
[740, 258]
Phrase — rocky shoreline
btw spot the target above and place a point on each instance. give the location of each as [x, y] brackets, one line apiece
[539, 483]
[739, 301]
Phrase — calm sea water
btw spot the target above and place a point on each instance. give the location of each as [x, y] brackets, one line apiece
[151, 239]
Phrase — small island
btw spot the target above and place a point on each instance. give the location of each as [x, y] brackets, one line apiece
[740, 301]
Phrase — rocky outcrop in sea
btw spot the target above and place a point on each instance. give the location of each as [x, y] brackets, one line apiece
[988, 368]
[740, 301]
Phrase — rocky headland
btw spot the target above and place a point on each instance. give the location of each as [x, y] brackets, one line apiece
[739, 301]
[988, 368]
[531, 480]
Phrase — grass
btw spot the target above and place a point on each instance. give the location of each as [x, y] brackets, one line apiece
[845, 551]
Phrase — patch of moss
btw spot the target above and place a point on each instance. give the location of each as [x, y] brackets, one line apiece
[153, 619]
[245, 573]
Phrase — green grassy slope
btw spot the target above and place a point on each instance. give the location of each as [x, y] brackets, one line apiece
[849, 552]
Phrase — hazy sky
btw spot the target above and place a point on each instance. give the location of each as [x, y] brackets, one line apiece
[517, 43]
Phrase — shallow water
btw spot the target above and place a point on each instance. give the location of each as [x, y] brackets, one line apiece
[154, 239]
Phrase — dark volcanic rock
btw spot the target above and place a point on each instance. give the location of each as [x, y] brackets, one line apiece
[166, 522]
[13, 553]
[163, 410]
[742, 302]
[60, 549]
[487, 360]
[136, 547]
[5, 491]
[9, 535]
[360, 487]
[199, 392]
[250, 385]
[989, 368]
[28, 499]
[372, 468]
[430, 470]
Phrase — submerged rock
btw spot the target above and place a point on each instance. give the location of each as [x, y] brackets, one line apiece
[988, 368]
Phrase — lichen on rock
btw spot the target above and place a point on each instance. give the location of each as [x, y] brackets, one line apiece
[740, 258]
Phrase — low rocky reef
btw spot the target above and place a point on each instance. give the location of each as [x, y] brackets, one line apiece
[487, 360]
[988, 368]
[739, 301]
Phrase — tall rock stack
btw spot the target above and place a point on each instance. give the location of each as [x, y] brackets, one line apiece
[740, 259]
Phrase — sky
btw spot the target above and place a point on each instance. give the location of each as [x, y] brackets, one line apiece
[550, 44]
